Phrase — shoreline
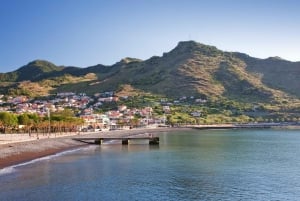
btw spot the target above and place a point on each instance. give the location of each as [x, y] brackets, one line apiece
[29, 156]
[21, 152]
[16, 153]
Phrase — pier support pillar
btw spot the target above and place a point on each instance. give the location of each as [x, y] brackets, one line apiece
[98, 141]
[124, 141]
[154, 141]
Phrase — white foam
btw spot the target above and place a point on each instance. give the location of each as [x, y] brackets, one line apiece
[7, 170]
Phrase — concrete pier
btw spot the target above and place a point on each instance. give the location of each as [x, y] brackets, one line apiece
[124, 140]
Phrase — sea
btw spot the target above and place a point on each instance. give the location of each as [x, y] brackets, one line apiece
[187, 165]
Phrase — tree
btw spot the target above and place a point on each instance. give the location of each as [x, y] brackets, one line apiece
[134, 122]
[34, 117]
[23, 119]
[8, 120]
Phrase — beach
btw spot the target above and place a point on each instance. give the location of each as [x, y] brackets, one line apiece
[20, 148]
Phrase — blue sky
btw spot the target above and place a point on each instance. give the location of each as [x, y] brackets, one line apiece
[89, 32]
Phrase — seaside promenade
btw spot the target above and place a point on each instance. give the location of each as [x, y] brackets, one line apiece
[25, 137]
[19, 140]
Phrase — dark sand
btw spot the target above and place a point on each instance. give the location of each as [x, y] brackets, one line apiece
[20, 152]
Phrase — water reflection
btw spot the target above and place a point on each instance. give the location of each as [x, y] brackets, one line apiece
[195, 165]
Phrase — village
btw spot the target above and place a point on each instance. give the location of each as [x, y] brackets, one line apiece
[106, 111]
[87, 109]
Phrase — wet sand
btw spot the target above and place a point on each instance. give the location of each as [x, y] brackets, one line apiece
[18, 152]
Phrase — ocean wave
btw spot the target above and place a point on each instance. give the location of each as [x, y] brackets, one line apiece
[7, 170]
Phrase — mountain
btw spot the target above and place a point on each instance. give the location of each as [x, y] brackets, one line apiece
[190, 69]
[276, 73]
[32, 71]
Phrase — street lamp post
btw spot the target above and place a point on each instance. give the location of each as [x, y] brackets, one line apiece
[49, 126]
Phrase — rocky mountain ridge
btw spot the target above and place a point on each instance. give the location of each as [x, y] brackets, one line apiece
[190, 69]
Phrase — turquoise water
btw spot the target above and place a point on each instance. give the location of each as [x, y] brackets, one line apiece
[189, 165]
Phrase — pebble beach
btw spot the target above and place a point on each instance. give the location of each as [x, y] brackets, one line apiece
[20, 148]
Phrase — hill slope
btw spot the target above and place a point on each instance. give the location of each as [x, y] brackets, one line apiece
[190, 69]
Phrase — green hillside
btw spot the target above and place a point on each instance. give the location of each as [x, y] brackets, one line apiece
[190, 69]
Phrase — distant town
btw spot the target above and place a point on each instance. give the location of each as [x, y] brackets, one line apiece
[106, 111]
[121, 117]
